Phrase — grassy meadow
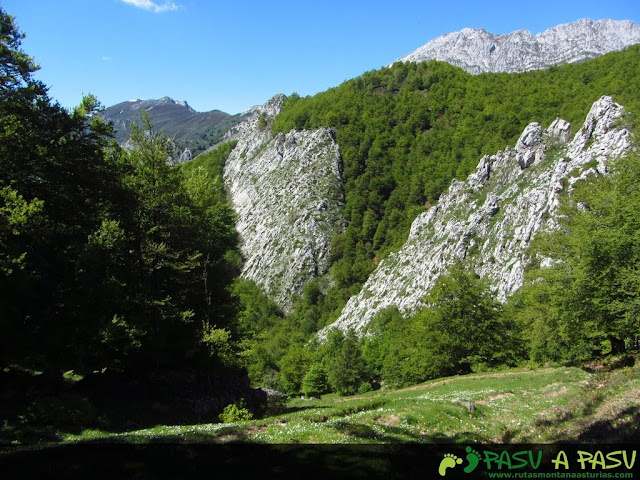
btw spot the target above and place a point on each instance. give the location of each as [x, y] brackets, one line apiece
[596, 403]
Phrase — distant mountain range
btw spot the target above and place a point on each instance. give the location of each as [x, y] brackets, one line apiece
[478, 51]
[474, 50]
[195, 131]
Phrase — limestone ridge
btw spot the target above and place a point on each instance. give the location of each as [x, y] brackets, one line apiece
[490, 219]
[478, 51]
[288, 195]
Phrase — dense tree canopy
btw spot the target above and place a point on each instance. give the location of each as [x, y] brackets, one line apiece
[108, 258]
[588, 301]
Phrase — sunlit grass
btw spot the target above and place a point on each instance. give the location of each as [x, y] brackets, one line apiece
[513, 406]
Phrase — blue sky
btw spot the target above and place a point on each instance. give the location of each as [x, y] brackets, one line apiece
[231, 55]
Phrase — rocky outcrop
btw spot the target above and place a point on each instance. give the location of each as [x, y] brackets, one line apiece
[288, 196]
[185, 156]
[478, 51]
[490, 219]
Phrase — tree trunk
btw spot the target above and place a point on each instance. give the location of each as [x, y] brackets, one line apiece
[617, 345]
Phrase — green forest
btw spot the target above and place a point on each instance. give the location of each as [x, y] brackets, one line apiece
[404, 133]
[111, 260]
[115, 263]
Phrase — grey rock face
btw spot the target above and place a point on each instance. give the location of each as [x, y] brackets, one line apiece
[288, 196]
[478, 51]
[185, 156]
[491, 218]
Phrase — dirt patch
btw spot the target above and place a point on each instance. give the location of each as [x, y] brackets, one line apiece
[390, 420]
[238, 435]
[424, 386]
[554, 390]
[494, 398]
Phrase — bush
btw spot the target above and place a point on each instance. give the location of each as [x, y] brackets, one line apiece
[235, 412]
[365, 387]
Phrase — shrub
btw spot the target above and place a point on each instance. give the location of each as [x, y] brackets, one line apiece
[365, 387]
[235, 412]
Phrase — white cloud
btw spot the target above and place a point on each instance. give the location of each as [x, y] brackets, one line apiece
[106, 59]
[156, 7]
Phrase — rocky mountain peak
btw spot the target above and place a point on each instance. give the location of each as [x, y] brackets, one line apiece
[190, 130]
[166, 101]
[478, 51]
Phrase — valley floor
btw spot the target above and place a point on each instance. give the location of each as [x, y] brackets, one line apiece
[593, 404]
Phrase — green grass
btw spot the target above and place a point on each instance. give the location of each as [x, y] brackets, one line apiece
[541, 406]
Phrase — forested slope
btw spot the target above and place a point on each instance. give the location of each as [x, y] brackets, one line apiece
[405, 131]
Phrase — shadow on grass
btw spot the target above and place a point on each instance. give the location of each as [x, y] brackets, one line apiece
[625, 428]
[301, 409]
[402, 435]
[42, 408]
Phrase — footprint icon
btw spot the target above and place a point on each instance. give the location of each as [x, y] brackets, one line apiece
[473, 457]
[449, 461]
